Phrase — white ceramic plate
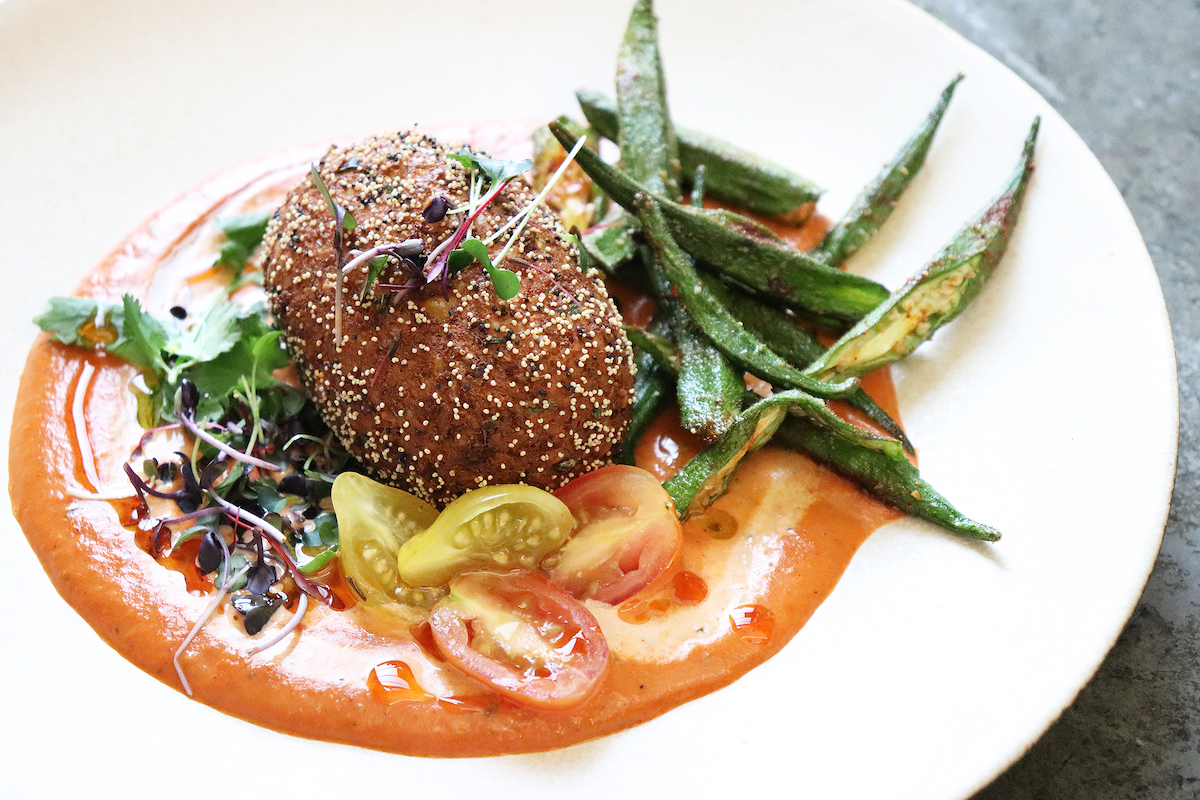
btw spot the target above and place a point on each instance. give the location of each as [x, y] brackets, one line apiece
[934, 664]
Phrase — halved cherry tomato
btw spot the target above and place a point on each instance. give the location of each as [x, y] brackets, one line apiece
[497, 527]
[525, 638]
[373, 521]
[627, 534]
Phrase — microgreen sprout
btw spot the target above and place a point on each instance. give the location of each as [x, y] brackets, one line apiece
[185, 409]
[211, 609]
[436, 210]
[522, 218]
[506, 283]
[344, 221]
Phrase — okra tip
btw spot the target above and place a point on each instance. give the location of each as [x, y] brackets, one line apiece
[1031, 139]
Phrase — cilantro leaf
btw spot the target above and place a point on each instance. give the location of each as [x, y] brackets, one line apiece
[216, 332]
[141, 338]
[243, 234]
[65, 317]
[256, 354]
[506, 283]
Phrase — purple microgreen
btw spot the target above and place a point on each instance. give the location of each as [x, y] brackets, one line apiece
[194, 428]
[505, 282]
[436, 209]
[376, 259]
[261, 576]
[213, 552]
[218, 596]
[256, 610]
[322, 593]
[436, 268]
[294, 484]
[142, 488]
[238, 514]
[282, 633]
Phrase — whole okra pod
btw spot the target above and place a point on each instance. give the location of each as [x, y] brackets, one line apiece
[733, 174]
[895, 481]
[645, 134]
[787, 337]
[939, 292]
[743, 249]
[721, 327]
[876, 202]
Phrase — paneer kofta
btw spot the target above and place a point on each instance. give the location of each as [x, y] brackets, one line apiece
[444, 387]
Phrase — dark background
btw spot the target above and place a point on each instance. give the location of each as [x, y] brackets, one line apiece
[1126, 75]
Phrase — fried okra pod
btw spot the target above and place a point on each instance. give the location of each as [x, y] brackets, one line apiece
[649, 151]
[733, 174]
[876, 202]
[787, 337]
[895, 481]
[724, 330]
[741, 248]
[939, 292]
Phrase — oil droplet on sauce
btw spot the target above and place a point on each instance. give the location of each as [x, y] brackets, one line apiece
[714, 522]
[130, 510]
[753, 623]
[394, 682]
[685, 588]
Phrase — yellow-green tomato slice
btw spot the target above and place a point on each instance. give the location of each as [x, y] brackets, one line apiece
[374, 520]
[505, 527]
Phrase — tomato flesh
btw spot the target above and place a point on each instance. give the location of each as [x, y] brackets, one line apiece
[522, 636]
[374, 520]
[627, 534]
[496, 527]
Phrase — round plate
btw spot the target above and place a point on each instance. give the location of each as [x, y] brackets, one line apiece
[936, 662]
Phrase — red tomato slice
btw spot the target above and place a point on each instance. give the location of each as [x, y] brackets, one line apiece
[627, 534]
[522, 636]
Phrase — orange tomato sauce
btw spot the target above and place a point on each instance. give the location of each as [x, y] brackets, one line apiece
[753, 570]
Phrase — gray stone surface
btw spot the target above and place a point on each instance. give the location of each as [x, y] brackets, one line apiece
[1126, 75]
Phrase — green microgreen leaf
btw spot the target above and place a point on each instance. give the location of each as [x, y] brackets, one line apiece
[266, 493]
[497, 169]
[348, 221]
[506, 283]
[374, 268]
[459, 260]
[256, 353]
[319, 561]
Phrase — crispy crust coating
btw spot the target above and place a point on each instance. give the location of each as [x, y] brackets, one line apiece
[442, 393]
